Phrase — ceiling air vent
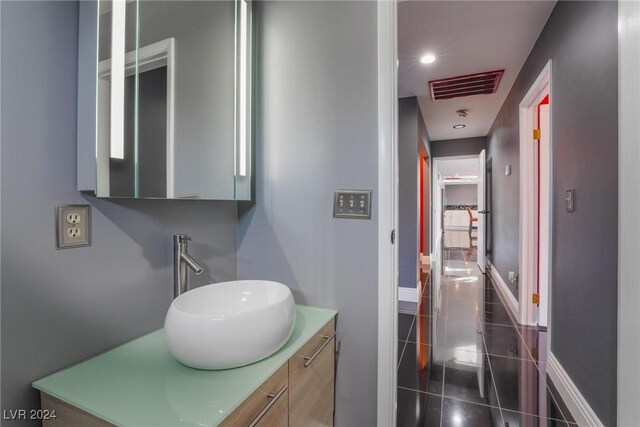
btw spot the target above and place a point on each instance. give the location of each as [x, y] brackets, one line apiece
[471, 84]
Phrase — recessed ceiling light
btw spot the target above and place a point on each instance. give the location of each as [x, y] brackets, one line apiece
[459, 126]
[428, 58]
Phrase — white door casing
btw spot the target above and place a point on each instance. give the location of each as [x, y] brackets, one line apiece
[528, 253]
[387, 213]
[545, 213]
[628, 212]
[482, 214]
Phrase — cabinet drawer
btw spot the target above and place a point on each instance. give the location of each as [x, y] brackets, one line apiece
[266, 407]
[311, 387]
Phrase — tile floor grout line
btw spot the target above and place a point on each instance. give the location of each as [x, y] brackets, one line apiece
[459, 399]
[401, 356]
[493, 378]
[419, 391]
[472, 321]
[413, 321]
[404, 347]
[406, 341]
[535, 362]
[537, 416]
[446, 348]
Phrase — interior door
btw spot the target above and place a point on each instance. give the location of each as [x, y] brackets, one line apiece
[482, 249]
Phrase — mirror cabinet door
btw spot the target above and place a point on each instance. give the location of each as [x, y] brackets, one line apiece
[173, 99]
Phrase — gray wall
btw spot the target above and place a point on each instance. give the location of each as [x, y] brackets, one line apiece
[152, 98]
[466, 194]
[152, 133]
[62, 306]
[581, 39]
[408, 231]
[318, 132]
[458, 147]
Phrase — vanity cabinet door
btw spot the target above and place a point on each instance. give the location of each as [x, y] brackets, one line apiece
[312, 381]
[266, 407]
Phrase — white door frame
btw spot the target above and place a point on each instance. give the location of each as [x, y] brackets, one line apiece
[481, 250]
[387, 213]
[544, 226]
[628, 212]
[436, 211]
[527, 311]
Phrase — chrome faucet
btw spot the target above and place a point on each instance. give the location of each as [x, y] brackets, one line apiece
[182, 260]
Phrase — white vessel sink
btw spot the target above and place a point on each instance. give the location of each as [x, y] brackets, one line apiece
[229, 324]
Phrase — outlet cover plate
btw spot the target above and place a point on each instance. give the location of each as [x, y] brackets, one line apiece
[354, 204]
[73, 226]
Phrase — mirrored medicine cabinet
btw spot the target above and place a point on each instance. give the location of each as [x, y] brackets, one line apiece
[165, 99]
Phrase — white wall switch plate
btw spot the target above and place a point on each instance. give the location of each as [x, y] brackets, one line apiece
[354, 204]
[507, 170]
[73, 226]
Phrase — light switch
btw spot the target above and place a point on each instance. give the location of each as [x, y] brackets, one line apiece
[570, 200]
[507, 170]
[354, 204]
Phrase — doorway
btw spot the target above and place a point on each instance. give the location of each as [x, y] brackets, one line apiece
[459, 205]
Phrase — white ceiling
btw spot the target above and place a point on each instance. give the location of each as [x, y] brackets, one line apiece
[459, 167]
[466, 37]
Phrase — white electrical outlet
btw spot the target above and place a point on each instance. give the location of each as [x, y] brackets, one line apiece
[73, 226]
[74, 232]
[73, 218]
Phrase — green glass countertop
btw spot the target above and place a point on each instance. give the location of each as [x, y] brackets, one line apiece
[141, 384]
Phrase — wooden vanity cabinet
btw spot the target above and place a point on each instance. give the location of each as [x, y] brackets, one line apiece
[267, 406]
[311, 381]
[299, 394]
[306, 387]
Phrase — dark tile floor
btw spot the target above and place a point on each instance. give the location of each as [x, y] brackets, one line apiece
[464, 362]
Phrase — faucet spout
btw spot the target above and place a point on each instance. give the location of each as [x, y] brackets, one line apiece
[191, 263]
[182, 260]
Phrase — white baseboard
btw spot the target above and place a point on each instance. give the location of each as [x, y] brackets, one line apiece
[504, 292]
[408, 294]
[575, 401]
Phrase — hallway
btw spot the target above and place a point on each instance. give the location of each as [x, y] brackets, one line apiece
[464, 362]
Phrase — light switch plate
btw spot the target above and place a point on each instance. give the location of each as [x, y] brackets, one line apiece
[354, 204]
[570, 200]
[73, 226]
[507, 170]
